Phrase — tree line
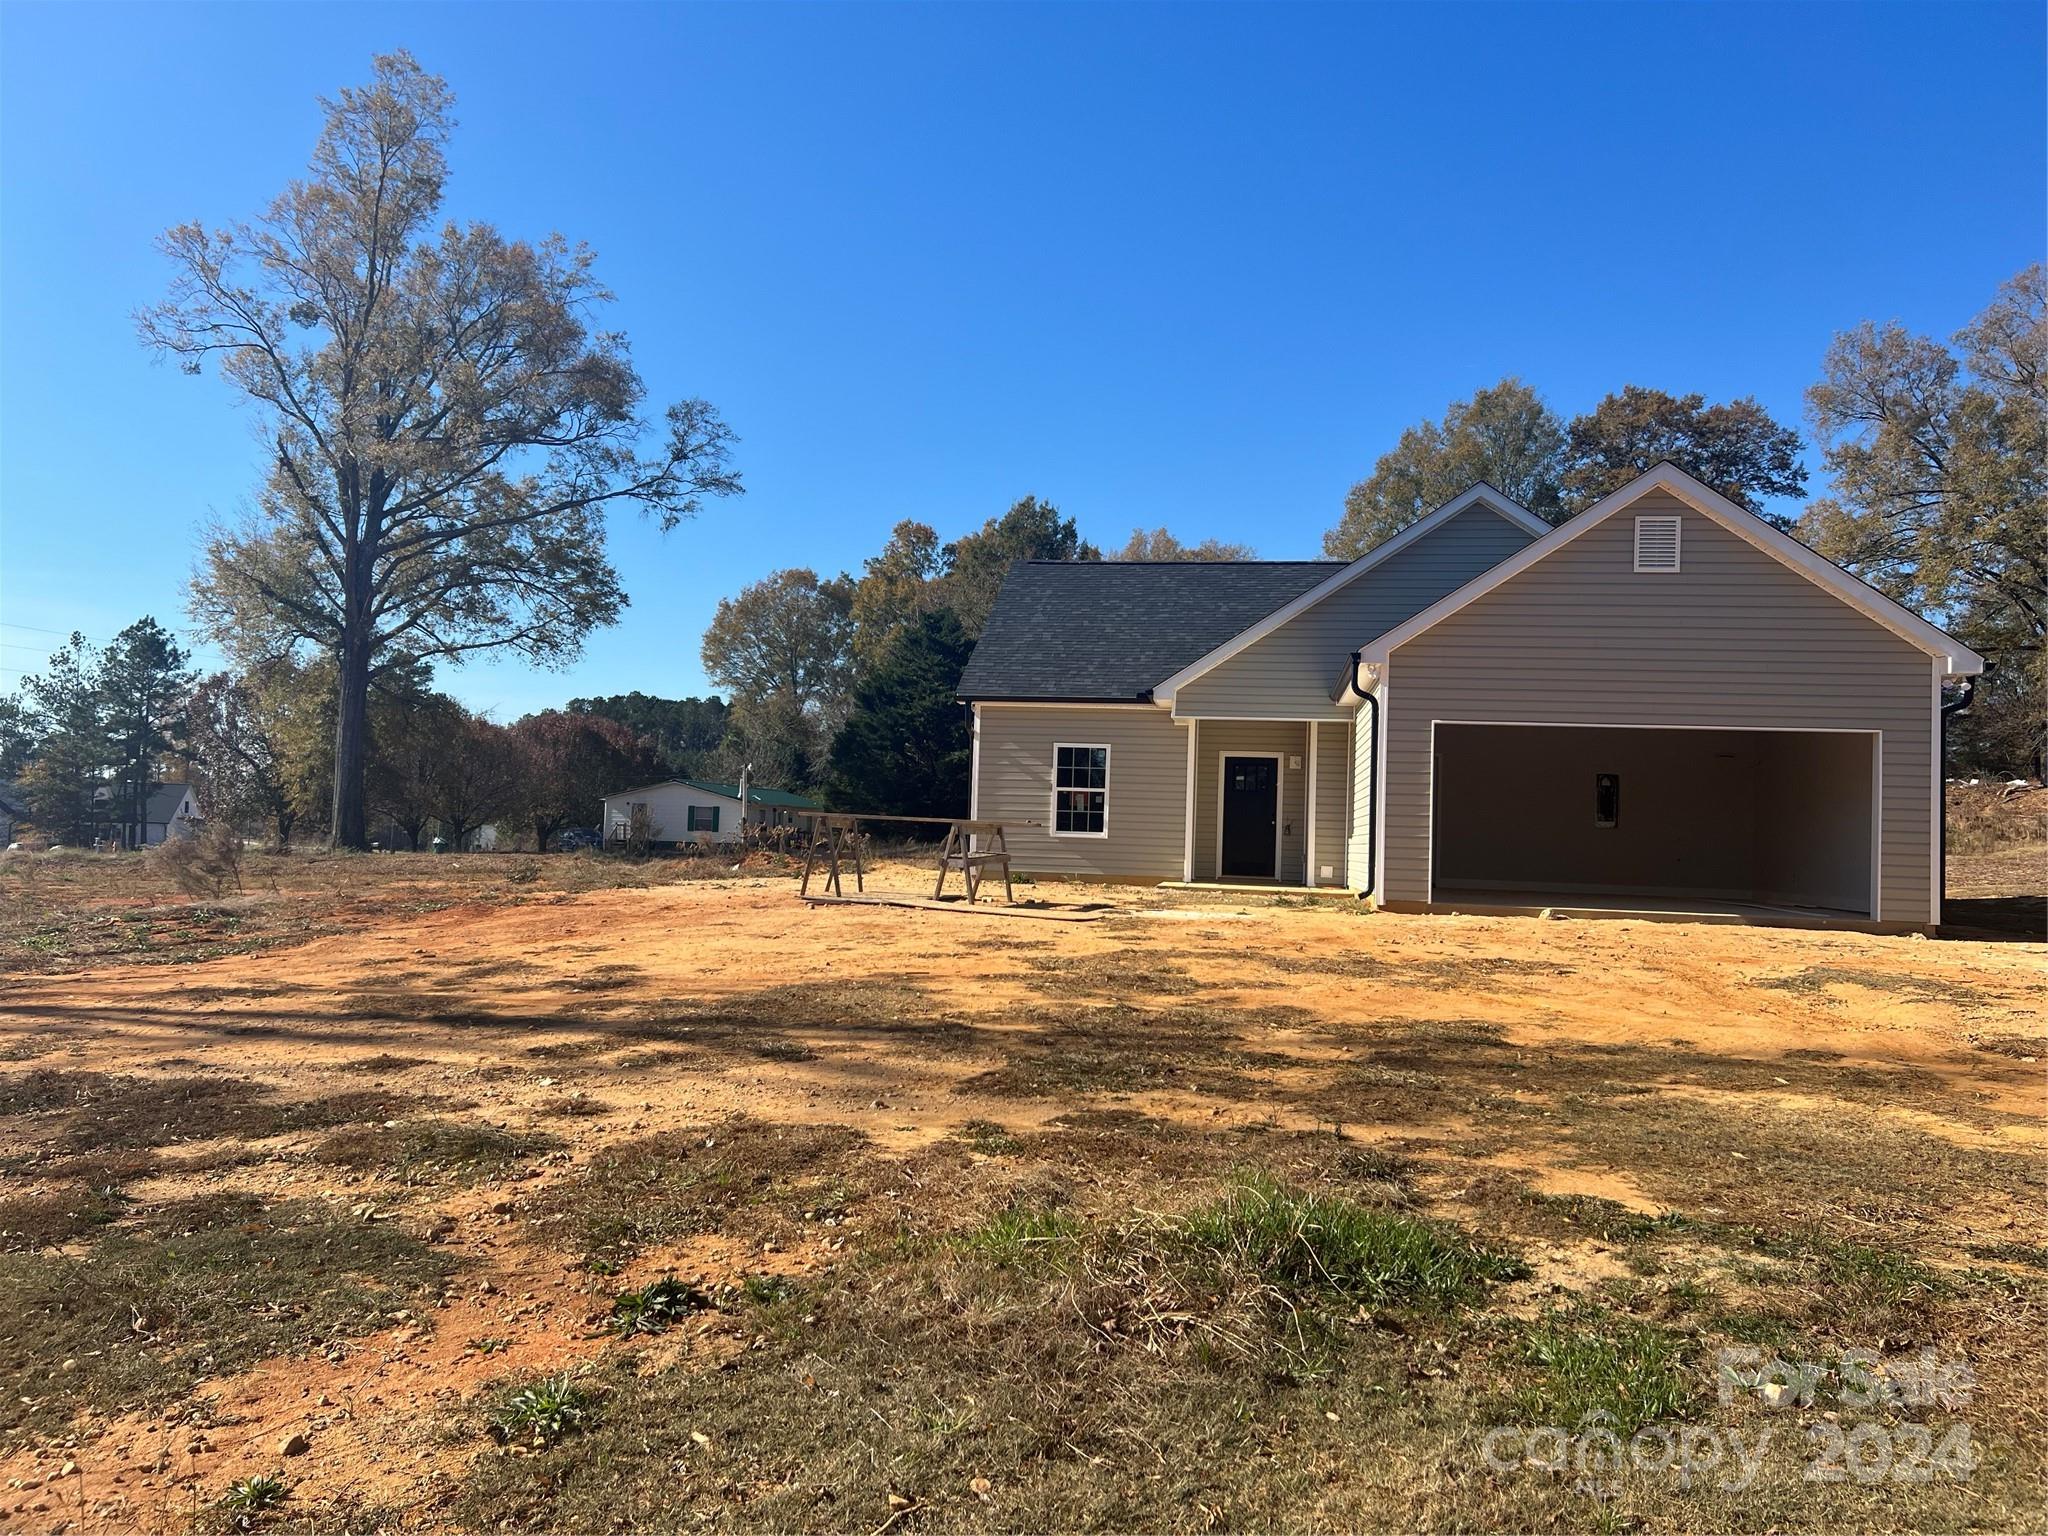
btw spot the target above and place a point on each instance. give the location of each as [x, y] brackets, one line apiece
[89, 739]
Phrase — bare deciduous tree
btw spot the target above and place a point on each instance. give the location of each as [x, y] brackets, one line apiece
[447, 427]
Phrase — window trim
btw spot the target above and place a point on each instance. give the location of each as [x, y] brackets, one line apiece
[691, 813]
[1677, 564]
[1052, 821]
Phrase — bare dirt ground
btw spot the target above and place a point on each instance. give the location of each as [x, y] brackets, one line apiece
[973, 1216]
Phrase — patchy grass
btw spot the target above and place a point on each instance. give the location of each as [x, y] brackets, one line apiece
[209, 1286]
[91, 1111]
[422, 1151]
[50, 1218]
[72, 910]
[1821, 980]
[661, 1188]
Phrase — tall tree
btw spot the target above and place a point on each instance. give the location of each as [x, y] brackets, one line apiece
[1504, 435]
[17, 735]
[783, 743]
[896, 587]
[785, 636]
[410, 733]
[238, 756]
[1735, 448]
[447, 429]
[567, 764]
[472, 776]
[1939, 462]
[64, 780]
[1158, 544]
[977, 563]
[684, 732]
[143, 682]
[905, 748]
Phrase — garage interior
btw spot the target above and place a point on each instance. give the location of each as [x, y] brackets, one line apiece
[1541, 815]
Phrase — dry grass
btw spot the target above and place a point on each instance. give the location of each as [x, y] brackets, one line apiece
[57, 914]
[1095, 1234]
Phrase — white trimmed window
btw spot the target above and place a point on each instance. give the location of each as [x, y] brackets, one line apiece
[1657, 545]
[1080, 791]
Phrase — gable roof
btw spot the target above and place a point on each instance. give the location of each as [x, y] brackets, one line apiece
[1480, 495]
[1106, 631]
[756, 795]
[1737, 519]
[164, 801]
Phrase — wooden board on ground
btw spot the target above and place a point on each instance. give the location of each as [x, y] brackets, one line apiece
[1046, 913]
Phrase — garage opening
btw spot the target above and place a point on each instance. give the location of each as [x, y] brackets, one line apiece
[1595, 815]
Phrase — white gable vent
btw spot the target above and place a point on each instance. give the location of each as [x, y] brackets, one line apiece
[1657, 544]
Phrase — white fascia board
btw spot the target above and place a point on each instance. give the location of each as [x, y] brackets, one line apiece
[1481, 494]
[1959, 659]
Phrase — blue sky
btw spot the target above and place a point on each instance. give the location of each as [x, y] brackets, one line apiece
[1190, 266]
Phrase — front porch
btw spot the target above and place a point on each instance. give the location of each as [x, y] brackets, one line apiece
[1268, 804]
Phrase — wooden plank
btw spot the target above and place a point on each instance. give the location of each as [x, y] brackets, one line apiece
[925, 903]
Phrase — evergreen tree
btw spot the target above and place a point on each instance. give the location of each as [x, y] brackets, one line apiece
[906, 749]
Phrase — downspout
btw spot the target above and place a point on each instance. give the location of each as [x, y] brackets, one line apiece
[1951, 707]
[1372, 780]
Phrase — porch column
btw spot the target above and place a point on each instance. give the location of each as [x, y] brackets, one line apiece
[1187, 847]
[1309, 856]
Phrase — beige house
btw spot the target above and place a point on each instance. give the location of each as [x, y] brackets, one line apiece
[1663, 703]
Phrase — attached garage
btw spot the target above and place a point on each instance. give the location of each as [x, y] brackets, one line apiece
[1665, 701]
[1578, 814]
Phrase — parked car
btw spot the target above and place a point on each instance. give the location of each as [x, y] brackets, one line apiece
[576, 839]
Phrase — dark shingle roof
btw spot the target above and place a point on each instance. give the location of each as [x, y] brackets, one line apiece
[1113, 629]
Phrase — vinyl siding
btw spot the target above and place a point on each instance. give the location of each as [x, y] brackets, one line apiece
[1289, 739]
[668, 811]
[1292, 672]
[1734, 639]
[1148, 756]
[1333, 800]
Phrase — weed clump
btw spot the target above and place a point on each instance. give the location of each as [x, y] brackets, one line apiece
[1303, 1245]
[656, 1307]
[542, 1412]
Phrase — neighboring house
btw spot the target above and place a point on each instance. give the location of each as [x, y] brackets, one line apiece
[13, 812]
[172, 811]
[1665, 700]
[695, 811]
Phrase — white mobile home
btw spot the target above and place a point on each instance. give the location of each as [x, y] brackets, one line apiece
[680, 811]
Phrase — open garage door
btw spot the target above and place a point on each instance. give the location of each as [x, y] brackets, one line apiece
[1593, 815]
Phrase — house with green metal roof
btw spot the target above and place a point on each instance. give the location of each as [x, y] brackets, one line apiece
[682, 811]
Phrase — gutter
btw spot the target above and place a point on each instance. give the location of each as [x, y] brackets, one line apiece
[1372, 778]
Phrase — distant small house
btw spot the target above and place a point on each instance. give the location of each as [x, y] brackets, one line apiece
[683, 811]
[172, 811]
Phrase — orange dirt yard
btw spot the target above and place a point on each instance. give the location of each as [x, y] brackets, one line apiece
[291, 1216]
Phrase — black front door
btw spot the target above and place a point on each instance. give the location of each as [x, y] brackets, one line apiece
[1251, 811]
